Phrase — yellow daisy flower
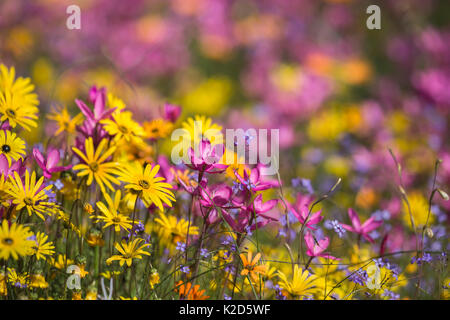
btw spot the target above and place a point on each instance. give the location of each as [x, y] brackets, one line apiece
[60, 262]
[11, 146]
[153, 278]
[170, 230]
[16, 279]
[114, 102]
[18, 102]
[129, 251]
[122, 126]
[151, 189]
[202, 127]
[43, 248]
[111, 215]
[4, 186]
[302, 283]
[158, 128]
[95, 165]
[14, 240]
[29, 196]
[64, 121]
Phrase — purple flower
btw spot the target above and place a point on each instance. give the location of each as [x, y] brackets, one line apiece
[278, 293]
[184, 269]
[426, 257]
[171, 112]
[338, 228]
[361, 228]
[358, 277]
[254, 181]
[204, 252]
[181, 246]
[206, 158]
[392, 295]
[58, 184]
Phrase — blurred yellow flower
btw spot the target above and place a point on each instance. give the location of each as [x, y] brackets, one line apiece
[170, 230]
[157, 129]
[18, 102]
[65, 123]
[209, 97]
[419, 209]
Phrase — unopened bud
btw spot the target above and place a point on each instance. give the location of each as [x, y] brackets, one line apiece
[429, 232]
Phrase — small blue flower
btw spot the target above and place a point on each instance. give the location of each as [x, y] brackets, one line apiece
[278, 293]
[185, 269]
[338, 228]
[181, 246]
[204, 253]
[59, 185]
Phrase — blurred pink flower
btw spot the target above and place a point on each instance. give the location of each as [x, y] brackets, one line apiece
[361, 229]
[301, 210]
[171, 112]
[317, 248]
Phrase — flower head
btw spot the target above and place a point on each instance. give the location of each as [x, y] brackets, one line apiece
[129, 251]
[251, 267]
[14, 240]
[144, 182]
[317, 248]
[302, 283]
[42, 247]
[205, 158]
[31, 194]
[64, 121]
[111, 215]
[18, 102]
[11, 146]
[122, 126]
[361, 229]
[50, 164]
[189, 292]
[96, 165]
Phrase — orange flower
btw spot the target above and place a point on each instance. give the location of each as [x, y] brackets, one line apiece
[250, 267]
[188, 293]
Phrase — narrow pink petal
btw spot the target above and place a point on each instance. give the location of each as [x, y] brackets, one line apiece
[354, 219]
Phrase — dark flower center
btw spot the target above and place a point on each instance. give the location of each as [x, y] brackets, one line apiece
[93, 166]
[7, 241]
[116, 220]
[10, 113]
[144, 184]
[123, 129]
[28, 201]
[6, 148]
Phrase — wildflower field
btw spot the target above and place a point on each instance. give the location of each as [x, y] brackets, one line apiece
[334, 186]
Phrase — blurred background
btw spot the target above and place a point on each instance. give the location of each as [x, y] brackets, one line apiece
[340, 94]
